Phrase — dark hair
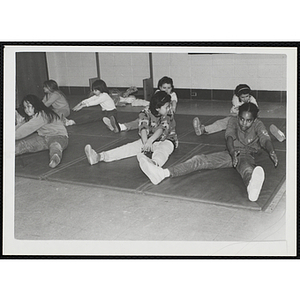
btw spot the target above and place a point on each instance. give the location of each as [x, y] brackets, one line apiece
[39, 107]
[249, 107]
[164, 80]
[242, 89]
[158, 100]
[100, 85]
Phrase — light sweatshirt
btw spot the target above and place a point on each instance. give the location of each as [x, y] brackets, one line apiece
[59, 103]
[104, 100]
[40, 124]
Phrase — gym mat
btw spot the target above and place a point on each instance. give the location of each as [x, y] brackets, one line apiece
[218, 187]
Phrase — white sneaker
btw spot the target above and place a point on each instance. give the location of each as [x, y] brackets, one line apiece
[69, 122]
[277, 133]
[153, 172]
[255, 183]
[107, 122]
[198, 127]
[91, 155]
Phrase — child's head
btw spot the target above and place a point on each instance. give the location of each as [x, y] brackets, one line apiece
[166, 84]
[50, 86]
[247, 115]
[33, 105]
[99, 86]
[159, 103]
[242, 91]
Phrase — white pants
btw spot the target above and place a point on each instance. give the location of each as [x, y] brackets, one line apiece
[160, 155]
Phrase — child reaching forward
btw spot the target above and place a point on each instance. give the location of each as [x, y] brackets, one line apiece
[101, 97]
[164, 84]
[57, 100]
[245, 135]
[51, 132]
[157, 135]
[241, 95]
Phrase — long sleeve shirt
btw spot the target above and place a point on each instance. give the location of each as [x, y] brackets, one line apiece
[104, 100]
[59, 103]
[151, 124]
[40, 124]
[236, 103]
[253, 139]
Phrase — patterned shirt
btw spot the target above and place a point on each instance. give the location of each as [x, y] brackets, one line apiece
[151, 124]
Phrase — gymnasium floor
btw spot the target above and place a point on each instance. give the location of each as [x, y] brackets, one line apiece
[47, 210]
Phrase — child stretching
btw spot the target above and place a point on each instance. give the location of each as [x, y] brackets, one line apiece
[157, 135]
[51, 132]
[101, 97]
[164, 84]
[57, 100]
[245, 135]
[241, 95]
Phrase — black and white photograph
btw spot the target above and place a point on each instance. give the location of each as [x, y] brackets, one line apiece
[150, 150]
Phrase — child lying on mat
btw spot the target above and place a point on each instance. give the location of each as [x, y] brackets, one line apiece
[101, 97]
[164, 84]
[245, 135]
[51, 132]
[157, 135]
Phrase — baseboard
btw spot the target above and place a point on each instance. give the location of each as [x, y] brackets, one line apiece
[190, 94]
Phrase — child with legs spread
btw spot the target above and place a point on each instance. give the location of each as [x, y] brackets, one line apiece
[245, 135]
[57, 100]
[241, 95]
[164, 84]
[156, 131]
[42, 130]
[101, 97]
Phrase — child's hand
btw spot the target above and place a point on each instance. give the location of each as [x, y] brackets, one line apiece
[235, 159]
[79, 106]
[274, 158]
[147, 146]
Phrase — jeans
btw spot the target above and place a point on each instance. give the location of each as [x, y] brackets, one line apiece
[216, 160]
[161, 151]
[36, 143]
[217, 126]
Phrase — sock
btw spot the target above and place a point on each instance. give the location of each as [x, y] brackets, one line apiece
[122, 127]
[167, 173]
[100, 156]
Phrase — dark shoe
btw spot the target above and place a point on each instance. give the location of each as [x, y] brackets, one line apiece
[55, 160]
[115, 124]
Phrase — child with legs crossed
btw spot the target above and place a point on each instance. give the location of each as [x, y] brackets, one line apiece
[156, 131]
[42, 130]
[101, 97]
[245, 136]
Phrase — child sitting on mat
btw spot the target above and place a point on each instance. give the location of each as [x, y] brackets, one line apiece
[164, 84]
[55, 98]
[101, 97]
[157, 135]
[245, 135]
[242, 94]
[51, 132]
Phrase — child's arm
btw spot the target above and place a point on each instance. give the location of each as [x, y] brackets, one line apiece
[269, 147]
[94, 100]
[148, 142]
[233, 153]
[29, 127]
[51, 99]
[79, 106]
[173, 105]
